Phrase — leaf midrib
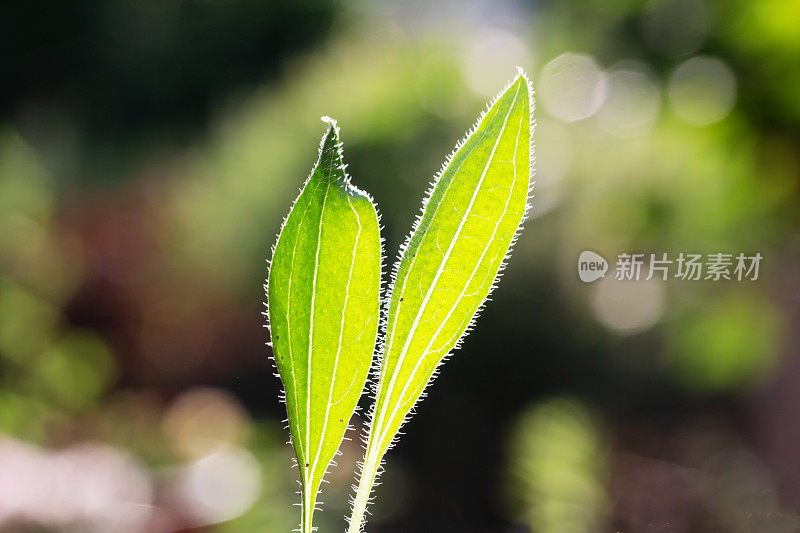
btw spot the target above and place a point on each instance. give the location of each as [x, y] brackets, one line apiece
[339, 346]
[289, 321]
[311, 330]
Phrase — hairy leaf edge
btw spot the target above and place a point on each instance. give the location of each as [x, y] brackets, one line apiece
[333, 124]
[374, 375]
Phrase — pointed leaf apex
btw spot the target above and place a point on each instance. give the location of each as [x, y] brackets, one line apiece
[330, 139]
[331, 121]
[522, 74]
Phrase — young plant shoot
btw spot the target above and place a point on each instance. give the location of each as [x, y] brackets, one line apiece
[449, 264]
[323, 304]
[324, 286]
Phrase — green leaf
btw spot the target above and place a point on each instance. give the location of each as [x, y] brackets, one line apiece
[323, 294]
[450, 263]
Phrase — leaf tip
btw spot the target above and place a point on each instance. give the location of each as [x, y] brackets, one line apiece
[330, 121]
[524, 76]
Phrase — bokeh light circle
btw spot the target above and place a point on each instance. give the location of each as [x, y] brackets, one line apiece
[494, 55]
[572, 87]
[702, 90]
[629, 306]
[633, 102]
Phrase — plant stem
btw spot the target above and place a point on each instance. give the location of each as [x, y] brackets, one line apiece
[368, 474]
[307, 507]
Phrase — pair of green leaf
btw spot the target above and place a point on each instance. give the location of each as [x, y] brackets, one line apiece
[324, 286]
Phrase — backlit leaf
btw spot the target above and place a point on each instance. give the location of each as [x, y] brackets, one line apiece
[323, 294]
[450, 263]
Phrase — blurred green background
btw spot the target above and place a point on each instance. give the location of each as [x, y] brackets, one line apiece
[149, 151]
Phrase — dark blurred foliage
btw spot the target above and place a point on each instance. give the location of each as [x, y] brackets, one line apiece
[129, 68]
[129, 72]
[131, 339]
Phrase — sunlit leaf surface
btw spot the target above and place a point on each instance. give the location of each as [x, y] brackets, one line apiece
[323, 293]
[450, 263]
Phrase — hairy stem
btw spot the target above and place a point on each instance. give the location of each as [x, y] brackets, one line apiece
[307, 508]
[368, 474]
